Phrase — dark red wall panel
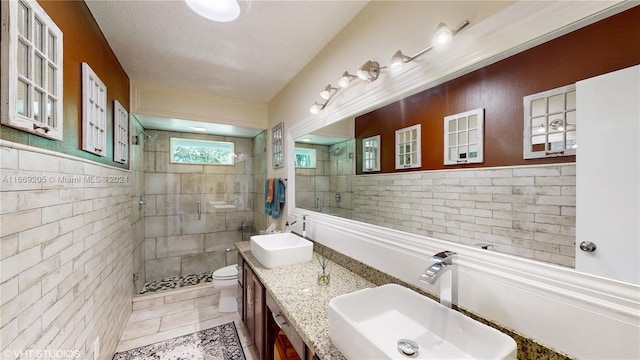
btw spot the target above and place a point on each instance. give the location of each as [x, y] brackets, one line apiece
[605, 46]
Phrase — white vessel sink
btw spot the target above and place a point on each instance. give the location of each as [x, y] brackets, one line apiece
[368, 323]
[275, 250]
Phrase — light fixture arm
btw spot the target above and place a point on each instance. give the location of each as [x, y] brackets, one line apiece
[421, 52]
[370, 70]
[411, 58]
[460, 27]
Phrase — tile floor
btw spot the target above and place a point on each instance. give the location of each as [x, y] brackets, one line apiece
[165, 315]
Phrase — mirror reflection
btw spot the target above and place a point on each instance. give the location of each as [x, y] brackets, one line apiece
[326, 187]
[508, 183]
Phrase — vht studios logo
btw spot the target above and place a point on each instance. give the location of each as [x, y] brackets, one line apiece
[40, 354]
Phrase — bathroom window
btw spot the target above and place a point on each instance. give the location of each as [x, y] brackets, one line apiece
[550, 123]
[277, 145]
[120, 133]
[464, 137]
[94, 112]
[408, 147]
[305, 158]
[32, 96]
[191, 151]
[371, 154]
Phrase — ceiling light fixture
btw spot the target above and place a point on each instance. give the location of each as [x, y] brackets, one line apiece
[397, 60]
[443, 35]
[216, 10]
[327, 92]
[345, 79]
[370, 70]
[201, 129]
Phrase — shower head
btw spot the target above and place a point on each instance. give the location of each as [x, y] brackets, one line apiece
[148, 137]
[336, 151]
[143, 136]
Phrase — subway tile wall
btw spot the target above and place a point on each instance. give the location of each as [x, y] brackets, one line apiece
[316, 188]
[528, 211]
[179, 241]
[66, 230]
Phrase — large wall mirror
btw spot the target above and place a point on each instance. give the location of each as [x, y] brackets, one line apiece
[518, 206]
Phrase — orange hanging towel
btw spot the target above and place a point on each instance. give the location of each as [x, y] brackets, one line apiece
[271, 190]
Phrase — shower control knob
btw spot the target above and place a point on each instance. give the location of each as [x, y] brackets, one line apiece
[587, 246]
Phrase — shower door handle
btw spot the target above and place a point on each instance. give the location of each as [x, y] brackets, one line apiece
[199, 210]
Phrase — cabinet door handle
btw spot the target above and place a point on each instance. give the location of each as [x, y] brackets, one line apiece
[280, 323]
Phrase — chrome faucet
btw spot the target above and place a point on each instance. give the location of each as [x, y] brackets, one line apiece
[443, 261]
[304, 225]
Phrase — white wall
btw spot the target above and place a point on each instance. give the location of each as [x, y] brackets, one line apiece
[160, 101]
[578, 314]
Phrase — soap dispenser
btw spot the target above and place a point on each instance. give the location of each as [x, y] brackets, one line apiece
[287, 227]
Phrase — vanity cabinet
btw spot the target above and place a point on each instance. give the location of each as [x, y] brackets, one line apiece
[254, 310]
[267, 326]
[240, 291]
[283, 341]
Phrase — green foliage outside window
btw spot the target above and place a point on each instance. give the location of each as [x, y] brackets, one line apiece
[187, 151]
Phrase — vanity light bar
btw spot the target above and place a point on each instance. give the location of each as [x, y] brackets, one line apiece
[370, 70]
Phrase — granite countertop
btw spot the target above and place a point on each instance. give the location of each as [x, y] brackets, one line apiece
[305, 303]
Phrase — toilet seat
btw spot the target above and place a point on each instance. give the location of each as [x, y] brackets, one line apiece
[226, 273]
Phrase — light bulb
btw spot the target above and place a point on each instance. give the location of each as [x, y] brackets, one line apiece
[326, 93]
[369, 71]
[397, 61]
[345, 79]
[315, 108]
[443, 35]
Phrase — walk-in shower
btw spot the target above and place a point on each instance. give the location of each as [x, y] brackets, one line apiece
[195, 212]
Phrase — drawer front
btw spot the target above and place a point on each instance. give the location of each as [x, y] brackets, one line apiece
[294, 338]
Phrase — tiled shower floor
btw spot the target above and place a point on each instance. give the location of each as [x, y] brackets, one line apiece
[176, 282]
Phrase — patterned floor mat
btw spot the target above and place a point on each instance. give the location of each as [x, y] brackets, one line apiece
[176, 282]
[218, 343]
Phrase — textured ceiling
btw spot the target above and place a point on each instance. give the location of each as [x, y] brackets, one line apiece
[252, 58]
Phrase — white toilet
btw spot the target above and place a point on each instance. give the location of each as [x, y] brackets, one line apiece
[226, 280]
